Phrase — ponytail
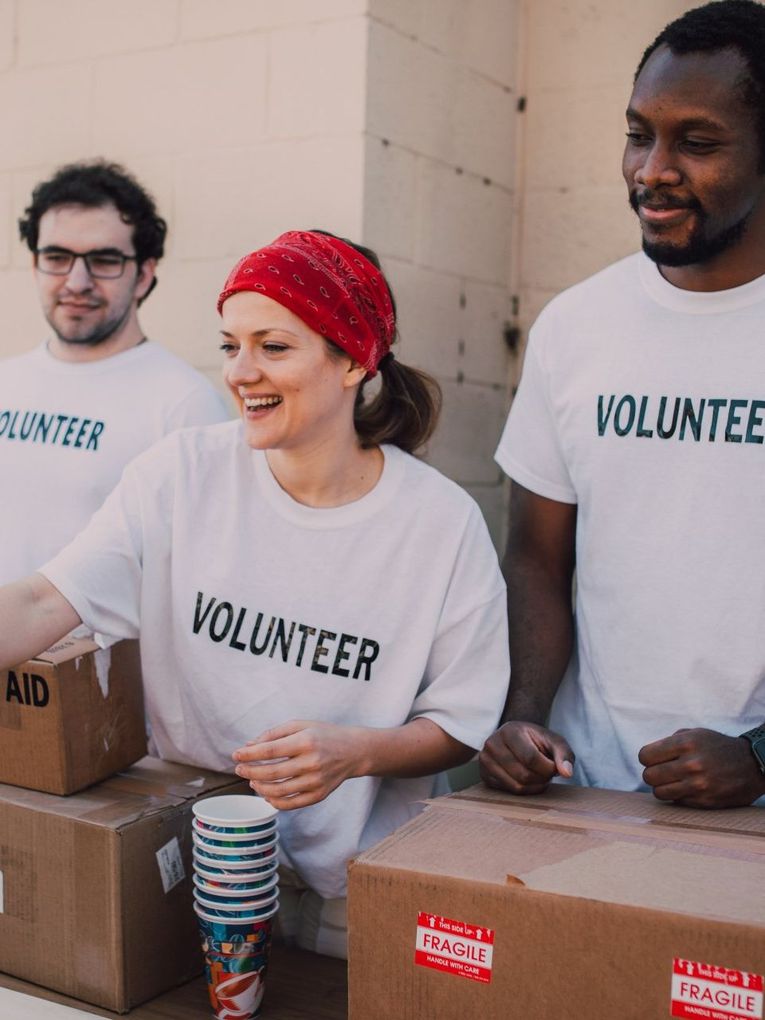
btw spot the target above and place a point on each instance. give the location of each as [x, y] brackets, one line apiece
[404, 411]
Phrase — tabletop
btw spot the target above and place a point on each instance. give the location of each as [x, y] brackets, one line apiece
[300, 986]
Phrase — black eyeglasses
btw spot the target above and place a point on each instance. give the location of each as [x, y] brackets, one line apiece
[102, 265]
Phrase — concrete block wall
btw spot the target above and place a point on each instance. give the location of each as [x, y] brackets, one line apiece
[395, 122]
[389, 121]
[244, 118]
[579, 61]
[440, 207]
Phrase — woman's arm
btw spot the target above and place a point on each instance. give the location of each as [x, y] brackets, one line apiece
[302, 762]
[33, 616]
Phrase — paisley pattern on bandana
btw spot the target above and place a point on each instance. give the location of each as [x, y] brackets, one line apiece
[332, 287]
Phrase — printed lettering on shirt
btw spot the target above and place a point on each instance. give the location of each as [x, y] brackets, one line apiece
[297, 644]
[696, 419]
[53, 429]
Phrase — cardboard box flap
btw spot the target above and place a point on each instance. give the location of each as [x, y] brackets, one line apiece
[639, 809]
[154, 776]
[65, 650]
[637, 868]
[149, 788]
[517, 811]
[112, 809]
[658, 877]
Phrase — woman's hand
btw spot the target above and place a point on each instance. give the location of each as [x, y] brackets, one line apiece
[301, 762]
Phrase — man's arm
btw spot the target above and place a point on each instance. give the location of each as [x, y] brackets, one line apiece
[523, 756]
[33, 616]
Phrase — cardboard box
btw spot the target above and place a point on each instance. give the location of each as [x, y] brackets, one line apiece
[72, 716]
[576, 904]
[96, 890]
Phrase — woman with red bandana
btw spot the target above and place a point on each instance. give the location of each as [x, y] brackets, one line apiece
[312, 600]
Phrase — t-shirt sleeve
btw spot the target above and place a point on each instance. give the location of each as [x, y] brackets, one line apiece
[529, 450]
[100, 571]
[468, 668]
[202, 405]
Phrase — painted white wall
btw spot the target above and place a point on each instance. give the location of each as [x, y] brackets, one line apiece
[439, 205]
[392, 122]
[244, 118]
[579, 62]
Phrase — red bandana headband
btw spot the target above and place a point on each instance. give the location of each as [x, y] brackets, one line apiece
[332, 287]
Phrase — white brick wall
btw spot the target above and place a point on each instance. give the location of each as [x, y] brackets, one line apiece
[243, 118]
[44, 110]
[474, 33]
[439, 207]
[228, 206]
[580, 59]
[7, 33]
[316, 82]
[193, 97]
[393, 122]
[51, 32]
[205, 19]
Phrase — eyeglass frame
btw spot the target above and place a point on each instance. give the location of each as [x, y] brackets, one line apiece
[85, 256]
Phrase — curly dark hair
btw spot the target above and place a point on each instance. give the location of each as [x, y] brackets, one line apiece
[720, 25]
[96, 183]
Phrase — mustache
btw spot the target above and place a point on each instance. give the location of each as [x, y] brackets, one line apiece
[657, 200]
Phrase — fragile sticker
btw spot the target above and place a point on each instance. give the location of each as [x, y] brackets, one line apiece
[454, 947]
[705, 991]
[170, 864]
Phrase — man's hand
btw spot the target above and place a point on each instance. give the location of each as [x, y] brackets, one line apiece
[523, 757]
[301, 762]
[702, 768]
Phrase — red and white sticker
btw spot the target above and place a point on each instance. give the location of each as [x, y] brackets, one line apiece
[709, 992]
[454, 947]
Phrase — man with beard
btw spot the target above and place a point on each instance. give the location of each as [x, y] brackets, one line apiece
[76, 409]
[637, 454]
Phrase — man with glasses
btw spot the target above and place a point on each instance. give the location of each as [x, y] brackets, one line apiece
[75, 409]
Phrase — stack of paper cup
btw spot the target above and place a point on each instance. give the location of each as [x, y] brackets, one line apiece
[236, 895]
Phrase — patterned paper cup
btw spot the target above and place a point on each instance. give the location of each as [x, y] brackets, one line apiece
[245, 831]
[217, 876]
[266, 858]
[232, 910]
[236, 961]
[228, 891]
[203, 912]
[234, 811]
[259, 908]
[241, 852]
[234, 840]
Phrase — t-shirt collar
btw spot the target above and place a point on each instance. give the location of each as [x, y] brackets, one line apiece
[694, 301]
[373, 502]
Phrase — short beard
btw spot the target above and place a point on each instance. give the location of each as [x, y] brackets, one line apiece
[698, 249]
[96, 336]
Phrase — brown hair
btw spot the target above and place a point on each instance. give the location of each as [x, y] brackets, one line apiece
[405, 409]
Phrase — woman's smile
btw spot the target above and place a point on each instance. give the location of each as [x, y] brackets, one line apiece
[292, 394]
[258, 406]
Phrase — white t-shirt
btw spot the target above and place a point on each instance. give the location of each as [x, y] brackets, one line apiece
[254, 609]
[645, 405]
[67, 431]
